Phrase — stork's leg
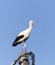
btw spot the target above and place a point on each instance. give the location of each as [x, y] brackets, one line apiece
[24, 47]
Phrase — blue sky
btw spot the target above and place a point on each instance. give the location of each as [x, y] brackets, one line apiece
[15, 16]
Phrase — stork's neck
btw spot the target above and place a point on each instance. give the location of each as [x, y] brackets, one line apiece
[30, 26]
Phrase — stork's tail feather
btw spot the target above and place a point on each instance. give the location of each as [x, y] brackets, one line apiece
[15, 44]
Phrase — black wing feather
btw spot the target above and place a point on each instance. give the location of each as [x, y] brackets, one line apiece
[17, 39]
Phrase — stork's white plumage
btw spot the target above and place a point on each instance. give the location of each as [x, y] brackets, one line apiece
[24, 35]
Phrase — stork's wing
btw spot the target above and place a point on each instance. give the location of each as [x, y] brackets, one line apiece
[17, 39]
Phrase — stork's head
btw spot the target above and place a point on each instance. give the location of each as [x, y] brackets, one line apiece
[31, 22]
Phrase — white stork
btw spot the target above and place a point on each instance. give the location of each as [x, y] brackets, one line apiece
[24, 35]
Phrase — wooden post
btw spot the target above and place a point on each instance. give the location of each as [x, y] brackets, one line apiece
[24, 59]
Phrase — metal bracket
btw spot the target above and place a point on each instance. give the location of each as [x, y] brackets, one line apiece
[30, 59]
